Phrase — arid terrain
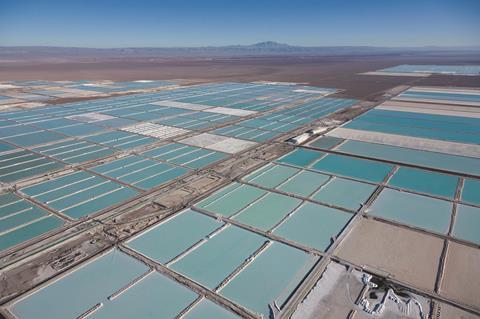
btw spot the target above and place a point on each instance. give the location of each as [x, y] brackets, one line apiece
[323, 71]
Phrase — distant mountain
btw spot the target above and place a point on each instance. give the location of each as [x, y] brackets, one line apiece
[267, 48]
[270, 44]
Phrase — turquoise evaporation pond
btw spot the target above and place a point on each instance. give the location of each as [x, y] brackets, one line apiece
[271, 175]
[187, 123]
[326, 142]
[35, 138]
[301, 157]
[366, 170]
[453, 163]
[467, 223]
[314, 225]
[80, 129]
[456, 69]
[319, 108]
[86, 286]
[412, 209]
[169, 239]
[132, 110]
[206, 309]
[190, 156]
[79, 194]
[430, 121]
[140, 172]
[292, 119]
[212, 262]
[271, 277]
[425, 182]
[23, 164]
[471, 191]
[437, 127]
[442, 96]
[288, 179]
[213, 117]
[345, 193]
[22, 221]
[304, 183]
[74, 151]
[268, 125]
[268, 211]
[4, 147]
[246, 133]
[231, 199]
[155, 296]
[11, 130]
[121, 140]
[116, 122]
[55, 123]
[143, 116]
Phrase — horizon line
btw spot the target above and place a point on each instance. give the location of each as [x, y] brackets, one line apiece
[246, 45]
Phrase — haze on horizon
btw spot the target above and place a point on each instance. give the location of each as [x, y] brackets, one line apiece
[147, 23]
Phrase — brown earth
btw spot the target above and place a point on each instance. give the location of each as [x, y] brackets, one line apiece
[337, 72]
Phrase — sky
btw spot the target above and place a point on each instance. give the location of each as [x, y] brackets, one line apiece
[167, 23]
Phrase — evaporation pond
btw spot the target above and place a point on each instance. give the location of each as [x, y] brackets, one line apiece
[231, 199]
[345, 193]
[314, 225]
[219, 256]
[268, 211]
[272, 176]
[165, 241]
[353, 167]
[467, 223]
[304, 183]
[22, 221]
[206, 309]
[81, 289]
[155, 296]
[471, 191]
[425, 182]
[270, 277]
[412, 209]
[301, 157]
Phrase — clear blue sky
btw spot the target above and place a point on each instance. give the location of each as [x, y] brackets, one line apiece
[127, 23]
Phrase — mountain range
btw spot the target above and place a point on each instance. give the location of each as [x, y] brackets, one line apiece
[267, 48]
